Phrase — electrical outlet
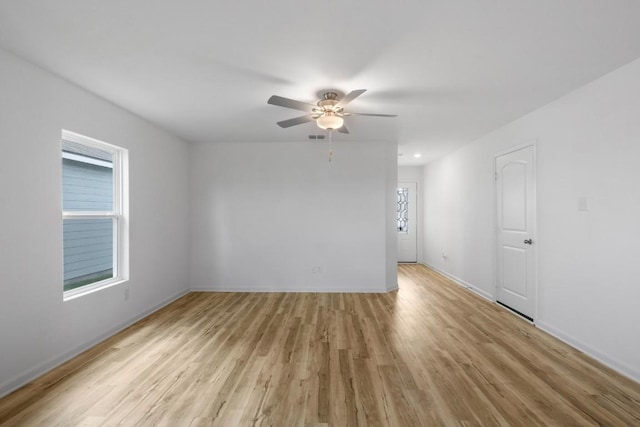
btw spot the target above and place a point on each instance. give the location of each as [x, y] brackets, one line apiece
[583, 204]
[316, 269]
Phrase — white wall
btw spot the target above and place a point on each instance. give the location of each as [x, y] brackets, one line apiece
[415, 174]
[264, 215]
[588, 145]
[37, 329]
[410, 174]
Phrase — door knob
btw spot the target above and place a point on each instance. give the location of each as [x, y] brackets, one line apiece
[528, 242]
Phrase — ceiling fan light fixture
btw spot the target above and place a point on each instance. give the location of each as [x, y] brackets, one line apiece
[330, 121]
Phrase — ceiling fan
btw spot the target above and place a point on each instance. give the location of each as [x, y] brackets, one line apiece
[328, 112]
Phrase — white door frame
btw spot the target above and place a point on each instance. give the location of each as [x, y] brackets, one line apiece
[534, 232]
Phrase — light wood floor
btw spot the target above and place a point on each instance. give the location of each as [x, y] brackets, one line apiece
[430, 354]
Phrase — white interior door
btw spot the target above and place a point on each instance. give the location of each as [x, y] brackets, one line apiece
[515, 214]
[407, 222]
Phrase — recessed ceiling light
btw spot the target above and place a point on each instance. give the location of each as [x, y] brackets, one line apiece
[417, 155]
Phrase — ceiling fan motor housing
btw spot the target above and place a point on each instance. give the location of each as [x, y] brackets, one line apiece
[330, 95]
[328, 101]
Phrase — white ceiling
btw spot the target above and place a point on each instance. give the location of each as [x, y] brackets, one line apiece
[451, 70]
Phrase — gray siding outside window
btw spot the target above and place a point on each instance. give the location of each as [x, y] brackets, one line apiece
[88, 249]
[88, 243]
[86, 187]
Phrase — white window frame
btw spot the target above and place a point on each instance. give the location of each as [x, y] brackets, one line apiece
[119, 214]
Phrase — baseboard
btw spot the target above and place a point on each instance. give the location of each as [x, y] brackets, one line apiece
[25, 378]
[289, 290]
[463, 283]
[621, 368]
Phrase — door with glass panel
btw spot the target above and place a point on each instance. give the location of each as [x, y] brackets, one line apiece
[407, 222]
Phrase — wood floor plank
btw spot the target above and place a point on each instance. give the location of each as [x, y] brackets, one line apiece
[431, 353]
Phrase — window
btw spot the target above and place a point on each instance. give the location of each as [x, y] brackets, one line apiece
[403, 210]
[94, 214]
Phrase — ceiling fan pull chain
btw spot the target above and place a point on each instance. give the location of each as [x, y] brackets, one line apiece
[330, 144]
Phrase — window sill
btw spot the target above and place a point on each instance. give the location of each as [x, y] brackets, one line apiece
[94, 287]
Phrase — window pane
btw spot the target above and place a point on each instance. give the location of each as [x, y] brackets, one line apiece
[403, 209]
[88, 251]
[87, 178]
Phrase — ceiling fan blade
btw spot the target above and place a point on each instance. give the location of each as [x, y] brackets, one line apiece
[350, 97]
[290, 103]
[343, 129]
[296, 121]
[373, 115]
